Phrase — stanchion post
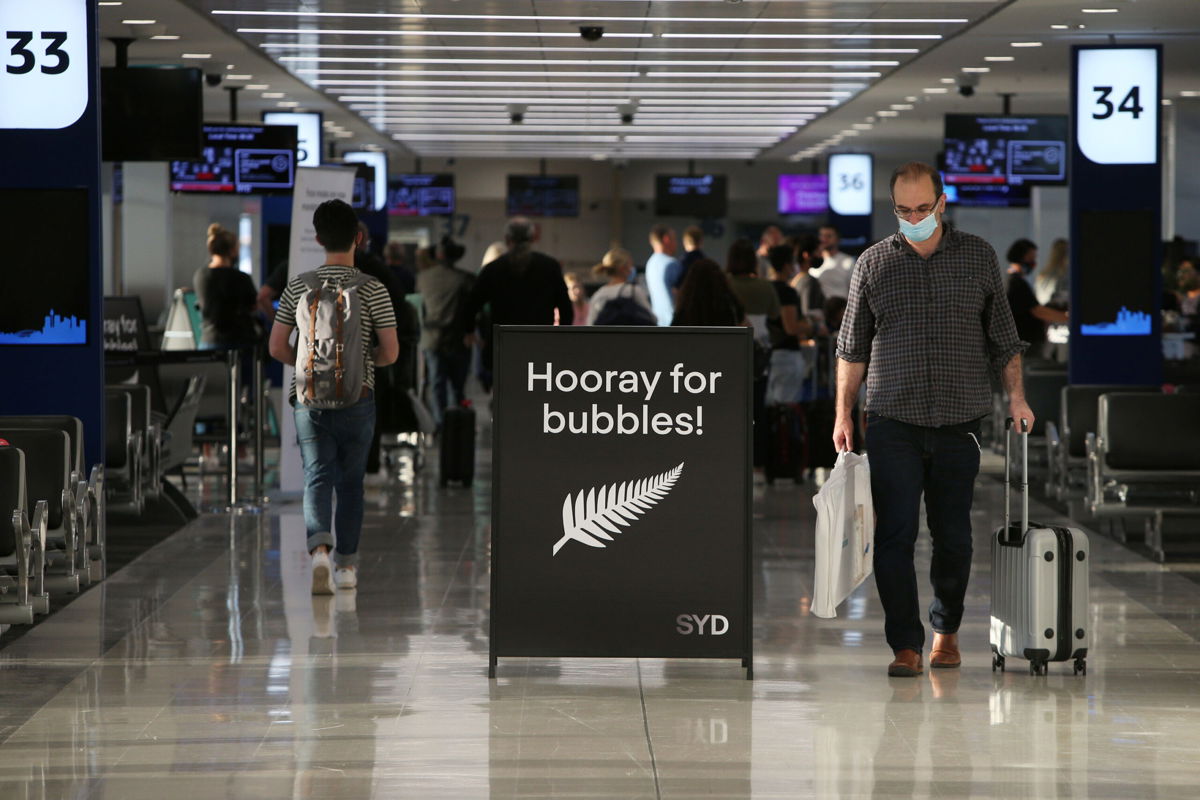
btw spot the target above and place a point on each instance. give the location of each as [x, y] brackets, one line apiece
[260, 421]
[231, 362]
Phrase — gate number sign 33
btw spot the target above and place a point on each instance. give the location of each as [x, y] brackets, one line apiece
[1116, 106]
[44, 83]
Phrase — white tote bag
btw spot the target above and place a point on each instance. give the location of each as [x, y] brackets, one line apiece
[845, 533]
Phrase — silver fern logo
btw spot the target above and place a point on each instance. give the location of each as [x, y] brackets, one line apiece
[591, 519]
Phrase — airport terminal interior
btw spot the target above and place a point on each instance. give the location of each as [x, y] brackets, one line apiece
[635, 257]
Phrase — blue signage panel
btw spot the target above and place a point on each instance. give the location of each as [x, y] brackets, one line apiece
[1116, 215]
[51, 342]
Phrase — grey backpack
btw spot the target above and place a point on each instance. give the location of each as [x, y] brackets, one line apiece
[330, 365]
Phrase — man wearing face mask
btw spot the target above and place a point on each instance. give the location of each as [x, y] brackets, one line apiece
[927, 311]
[1030, 316]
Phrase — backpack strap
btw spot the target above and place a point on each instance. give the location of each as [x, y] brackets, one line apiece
[340, 344]
[312, 338]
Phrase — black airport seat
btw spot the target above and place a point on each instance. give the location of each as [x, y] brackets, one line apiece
[48, 478]
[72, 426]
[1067, 436]
[122, 451]
[21, 556]
[142, 425]
[1144, 456]
[86, 483]
[180, 431]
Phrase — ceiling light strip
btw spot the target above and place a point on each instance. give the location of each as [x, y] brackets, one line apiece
[420, 16]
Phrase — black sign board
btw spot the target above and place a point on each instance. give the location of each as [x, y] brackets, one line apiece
[621, 508]
[124, 325]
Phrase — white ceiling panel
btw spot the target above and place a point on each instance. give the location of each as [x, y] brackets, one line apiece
[773, 79]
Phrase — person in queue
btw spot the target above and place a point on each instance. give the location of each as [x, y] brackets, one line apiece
[523, 287]
[663, 272]
[705, 298]
[928, 312]
[617, 268]
[836, 267]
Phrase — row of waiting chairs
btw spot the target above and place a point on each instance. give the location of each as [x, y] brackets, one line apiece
[141, 446]
[52, 525]
[1130, 452]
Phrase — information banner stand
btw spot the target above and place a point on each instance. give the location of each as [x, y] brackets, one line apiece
[621, 493]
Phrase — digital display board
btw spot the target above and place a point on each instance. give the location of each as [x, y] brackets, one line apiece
[421, 195]
[803, 194]
[45, 299]
[308, 133]
[702, 196]
[240, 159]
[543, 196]
[1010, 150]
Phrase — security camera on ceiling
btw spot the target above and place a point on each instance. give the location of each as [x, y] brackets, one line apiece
[627, 110]
[591, 33]
[213, 78]
[516, 113]
[966, 82]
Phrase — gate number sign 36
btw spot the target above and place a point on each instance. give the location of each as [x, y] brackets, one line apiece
[44, 83]
[1116, 104]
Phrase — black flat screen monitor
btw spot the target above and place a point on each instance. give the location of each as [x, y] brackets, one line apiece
[988, 196]
[1013, 150]
[700, 196]
[543, 196]
[240, 159]
[45, 299]
[421, 195]
[151, 113]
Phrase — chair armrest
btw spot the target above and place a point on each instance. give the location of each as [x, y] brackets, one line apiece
[96, 498]
[37, 549]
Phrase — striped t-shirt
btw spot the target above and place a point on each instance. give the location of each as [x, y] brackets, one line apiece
[378, 313]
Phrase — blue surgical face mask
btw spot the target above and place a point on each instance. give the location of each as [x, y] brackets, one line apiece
[919, 231]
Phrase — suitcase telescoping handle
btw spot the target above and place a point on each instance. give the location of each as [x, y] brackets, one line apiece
[1024, 437]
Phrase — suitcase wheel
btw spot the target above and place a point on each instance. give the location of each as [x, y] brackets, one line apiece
[1080, 666]
[1039, 668]
[997, 662]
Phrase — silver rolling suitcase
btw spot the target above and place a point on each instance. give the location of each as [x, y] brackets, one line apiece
[1039, 584]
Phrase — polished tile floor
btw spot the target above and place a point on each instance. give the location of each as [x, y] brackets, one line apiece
[206, 669]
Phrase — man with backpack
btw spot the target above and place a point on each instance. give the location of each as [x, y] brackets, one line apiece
[336, 310]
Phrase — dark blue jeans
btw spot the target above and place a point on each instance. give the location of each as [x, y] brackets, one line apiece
[334, 445]
[906, 462]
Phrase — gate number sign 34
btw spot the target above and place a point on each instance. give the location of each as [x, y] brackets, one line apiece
[44, 83]
[1116, 104]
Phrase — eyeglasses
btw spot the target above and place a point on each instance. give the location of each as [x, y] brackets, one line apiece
[921, 211]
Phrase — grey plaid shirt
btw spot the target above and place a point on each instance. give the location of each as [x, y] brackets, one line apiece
[929, 328]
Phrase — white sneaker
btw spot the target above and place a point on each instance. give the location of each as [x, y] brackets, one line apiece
[346, 578]
[322, 573]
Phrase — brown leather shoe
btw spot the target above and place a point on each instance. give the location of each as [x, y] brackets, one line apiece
[945, 652]
[906, 665]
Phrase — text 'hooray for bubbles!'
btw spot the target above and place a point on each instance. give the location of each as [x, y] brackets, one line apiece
[624, 419]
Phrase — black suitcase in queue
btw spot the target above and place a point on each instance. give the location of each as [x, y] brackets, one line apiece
[457, 446]
[787, 441]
